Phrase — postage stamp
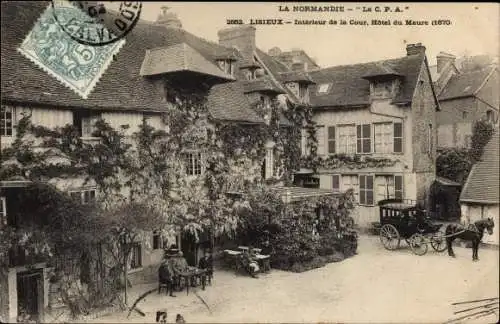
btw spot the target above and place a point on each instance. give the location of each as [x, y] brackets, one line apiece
[106, 21]
[78, 66]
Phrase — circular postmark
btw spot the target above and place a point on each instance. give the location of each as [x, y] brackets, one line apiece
[96, 23]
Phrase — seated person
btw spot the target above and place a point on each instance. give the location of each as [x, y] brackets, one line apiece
[250, 263]
[207, 263]
[166, 276]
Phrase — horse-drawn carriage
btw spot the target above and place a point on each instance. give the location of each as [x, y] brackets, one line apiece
[399, 220]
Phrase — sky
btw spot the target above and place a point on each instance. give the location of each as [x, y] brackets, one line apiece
[474, 28]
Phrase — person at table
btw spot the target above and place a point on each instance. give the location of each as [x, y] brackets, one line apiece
[206, 263]
[250, 262]
[166, 275]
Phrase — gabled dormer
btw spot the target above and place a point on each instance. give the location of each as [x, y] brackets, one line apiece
[298, 83]
[251, 69]
[385, 82]
[227, 63]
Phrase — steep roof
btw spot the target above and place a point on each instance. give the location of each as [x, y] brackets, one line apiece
[348, 88]
[120, 88]
[465, 84]
[179, 57]
[482, 185]
[227, 95]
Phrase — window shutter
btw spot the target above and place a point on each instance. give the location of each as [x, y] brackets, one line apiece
[336, 183]
[398, 187]
[398, 137]
[331, 140]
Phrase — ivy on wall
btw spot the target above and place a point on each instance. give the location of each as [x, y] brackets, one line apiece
[343, 160]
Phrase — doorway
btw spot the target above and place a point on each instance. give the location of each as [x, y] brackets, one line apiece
[30, 295]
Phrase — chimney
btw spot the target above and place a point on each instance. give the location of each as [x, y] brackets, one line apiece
[275, 51]
[241, 37]
[415, 49]
[168, 19]
[442, 59]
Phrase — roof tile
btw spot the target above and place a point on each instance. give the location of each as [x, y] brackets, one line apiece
[482, 185]
[348, 88]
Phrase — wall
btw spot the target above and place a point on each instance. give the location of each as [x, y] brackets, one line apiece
[472, 213]
[490, 94]
[365, 215]
[424, 114]
[359, 116]
[8, 291]
[39, 116]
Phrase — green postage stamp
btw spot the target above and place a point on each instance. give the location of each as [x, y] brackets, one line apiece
[52, 48]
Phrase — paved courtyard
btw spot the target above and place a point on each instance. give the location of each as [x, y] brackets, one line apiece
[374, 286]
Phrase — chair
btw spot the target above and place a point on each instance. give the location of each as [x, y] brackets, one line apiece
[162, 286]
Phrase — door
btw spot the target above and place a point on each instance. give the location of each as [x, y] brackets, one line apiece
[30, 295]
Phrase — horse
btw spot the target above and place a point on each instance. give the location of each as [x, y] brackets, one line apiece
[473, 233]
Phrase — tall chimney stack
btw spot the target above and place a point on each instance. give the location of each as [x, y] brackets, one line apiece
[415, 49]
[443, 59]
[241, 37]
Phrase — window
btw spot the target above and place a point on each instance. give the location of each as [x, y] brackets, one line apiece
[302, 91]
[86, 196]
[320, 136]
[468, 141]
[489, 116]
[3, 212]
[385, 187]
[6, 121]
[347, 139]
[389, 187]
[464, 114]
[323, 88]
[336, 183]
[157, 240]
[381, 90]
[85, 121]
[303, 142]
[136, 255]
[366, 190]
[364, 138]
[226, 66]
[351, 181]
[398, 137]
[383, 138]
[331, 139]
[193, 163]
[269, 163]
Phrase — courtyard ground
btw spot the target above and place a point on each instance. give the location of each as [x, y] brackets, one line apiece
[373, 286]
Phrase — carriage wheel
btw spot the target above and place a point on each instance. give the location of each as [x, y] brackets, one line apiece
[389, 236]
[438, 241]
[418, 244]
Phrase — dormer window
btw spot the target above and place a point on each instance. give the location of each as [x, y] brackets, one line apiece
[381, 90]
[324, 88]
[226, 66]
[266, 107]
[303, 93]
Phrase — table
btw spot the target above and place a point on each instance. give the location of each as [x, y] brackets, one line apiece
[194, 274]
[264, 260]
